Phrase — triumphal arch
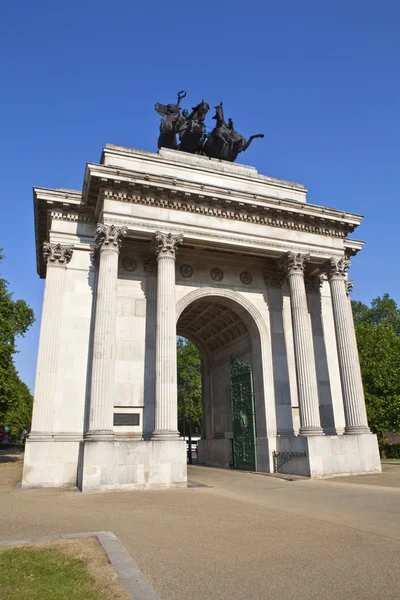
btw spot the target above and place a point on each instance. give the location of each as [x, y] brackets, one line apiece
[172, 243]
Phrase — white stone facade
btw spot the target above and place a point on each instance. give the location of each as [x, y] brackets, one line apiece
[162, 244]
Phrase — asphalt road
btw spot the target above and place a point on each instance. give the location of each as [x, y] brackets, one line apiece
[244, 536]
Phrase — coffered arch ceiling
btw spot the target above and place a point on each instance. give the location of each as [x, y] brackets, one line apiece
[211, 323]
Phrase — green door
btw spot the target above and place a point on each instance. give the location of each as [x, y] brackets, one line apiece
[243, 417]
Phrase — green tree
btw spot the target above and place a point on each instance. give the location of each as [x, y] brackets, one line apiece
[15, 399]
[378, 338]
[189, 386]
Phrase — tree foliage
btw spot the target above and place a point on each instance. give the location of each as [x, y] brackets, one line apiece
[189, 387]
[15, 399]
[378, 338]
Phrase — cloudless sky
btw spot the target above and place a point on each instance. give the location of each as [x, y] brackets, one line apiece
[320, 79]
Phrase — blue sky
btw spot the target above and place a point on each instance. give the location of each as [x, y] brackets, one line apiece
[320, 79]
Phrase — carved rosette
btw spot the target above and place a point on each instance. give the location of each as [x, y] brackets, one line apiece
[109, 237]
[165, 245]
[313, 283]
[336, 268]
[57, 255]
[149, 263]
[293, 263]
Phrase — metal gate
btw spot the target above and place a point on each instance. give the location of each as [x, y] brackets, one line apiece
[243, 417]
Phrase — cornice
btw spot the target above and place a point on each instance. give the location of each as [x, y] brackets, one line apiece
[44, 202]
[231, 209]
[170, 189]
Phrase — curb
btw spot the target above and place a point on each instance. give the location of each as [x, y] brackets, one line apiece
[133, 580]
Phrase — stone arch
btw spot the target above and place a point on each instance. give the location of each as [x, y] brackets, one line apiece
[262, 357]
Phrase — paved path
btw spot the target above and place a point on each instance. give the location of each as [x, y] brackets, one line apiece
[244, 537]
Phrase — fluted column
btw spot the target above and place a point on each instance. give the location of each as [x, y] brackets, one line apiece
[57, 257]
[349, 365]
[102, 390]
[150, 267]
[166, 418]
[310, 424]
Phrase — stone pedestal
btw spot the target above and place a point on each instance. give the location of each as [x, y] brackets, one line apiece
[133, 465]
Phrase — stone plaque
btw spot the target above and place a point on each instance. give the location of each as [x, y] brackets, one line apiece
[126, 419]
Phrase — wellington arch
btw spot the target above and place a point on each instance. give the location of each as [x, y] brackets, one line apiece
[157, 245]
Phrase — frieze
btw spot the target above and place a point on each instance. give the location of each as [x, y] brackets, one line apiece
[253, 214]
[228, 238]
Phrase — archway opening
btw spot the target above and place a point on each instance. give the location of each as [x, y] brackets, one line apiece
[233, 413]
[190, 394]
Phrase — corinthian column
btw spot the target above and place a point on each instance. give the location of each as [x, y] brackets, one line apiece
[310, 423]
[108, 239]
[166, 418]
[349, 365]
[57, 257]
[150, 267]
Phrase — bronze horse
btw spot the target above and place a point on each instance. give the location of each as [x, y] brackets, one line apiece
[191, 129]
[171, 114]
[224, 142]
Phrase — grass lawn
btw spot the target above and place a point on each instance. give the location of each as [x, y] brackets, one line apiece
[58, 571]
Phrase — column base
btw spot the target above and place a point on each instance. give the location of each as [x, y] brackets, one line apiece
[285, 432]
[100, 435]
[165, 435]
[307, 431]
[330, 456]
[40, 436]
[51, 462]
[356, 429]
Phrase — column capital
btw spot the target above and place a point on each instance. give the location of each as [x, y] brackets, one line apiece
[273, 274]
[313, 283]
[57, 255]
[293, 262]
[336, 268]
[349, 287]
[165, 245]
[149, 263]
[109, 237]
